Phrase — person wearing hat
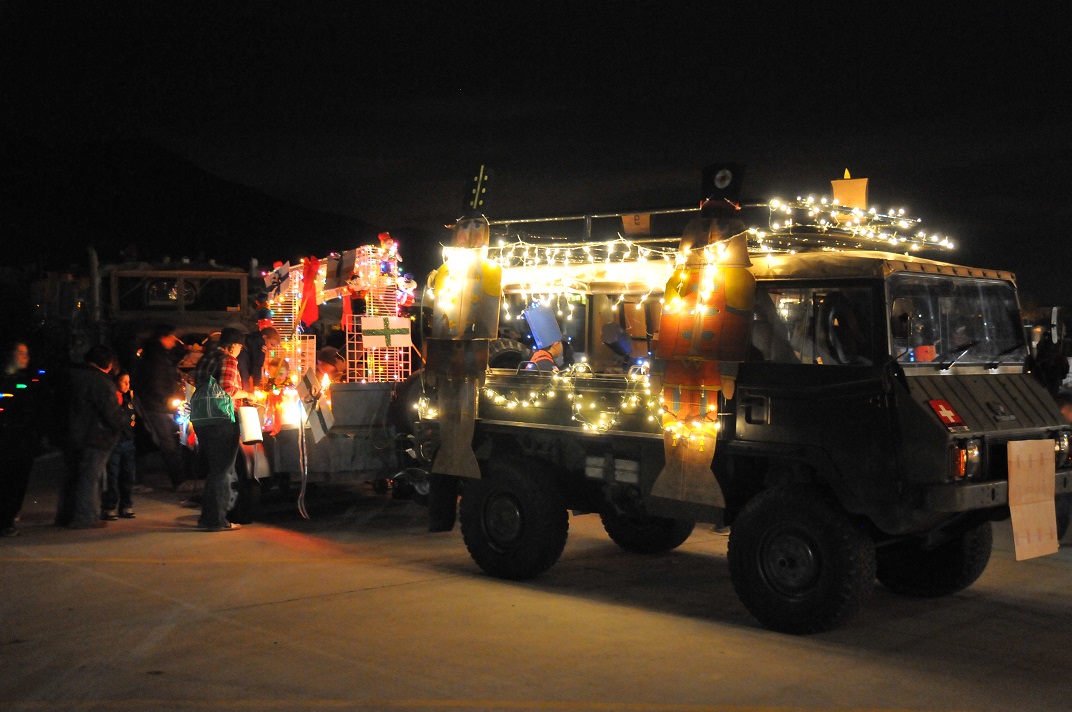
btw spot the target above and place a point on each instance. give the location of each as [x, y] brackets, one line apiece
[546, 359]
[217, 443]
[330, 362]
[157, 383]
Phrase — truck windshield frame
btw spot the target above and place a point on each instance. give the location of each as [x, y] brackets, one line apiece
[942, 321]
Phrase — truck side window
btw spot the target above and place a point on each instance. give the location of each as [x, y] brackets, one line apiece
[813, 325]
[770, 335]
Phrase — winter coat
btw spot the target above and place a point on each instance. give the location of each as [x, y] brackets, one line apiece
[97, 419]
[156, 380]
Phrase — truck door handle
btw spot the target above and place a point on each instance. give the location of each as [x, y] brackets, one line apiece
[756, 410]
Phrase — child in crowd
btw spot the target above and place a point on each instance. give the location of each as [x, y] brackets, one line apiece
[118, 486]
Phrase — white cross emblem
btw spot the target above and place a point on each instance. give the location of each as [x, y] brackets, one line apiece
[946, 414]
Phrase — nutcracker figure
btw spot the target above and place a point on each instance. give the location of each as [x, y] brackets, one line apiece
[467, 290]
[704, 332]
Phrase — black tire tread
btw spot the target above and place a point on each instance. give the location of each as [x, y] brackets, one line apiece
[906, 568]
[545, 519]
[651, 535]
[849, 574]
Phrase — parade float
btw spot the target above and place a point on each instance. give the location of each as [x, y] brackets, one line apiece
[316, 427]
[851, 408]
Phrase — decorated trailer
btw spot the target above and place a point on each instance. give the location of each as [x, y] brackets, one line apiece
[851, 409]
[323, 413]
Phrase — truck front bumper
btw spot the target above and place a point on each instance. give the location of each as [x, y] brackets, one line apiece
[965, 497]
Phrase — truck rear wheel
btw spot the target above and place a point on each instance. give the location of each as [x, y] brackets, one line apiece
[907, 568]
[514, 521]
[645, 535]
[797, 563]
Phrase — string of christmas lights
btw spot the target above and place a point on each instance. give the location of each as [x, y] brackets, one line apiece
[824, 224]
[564, 384]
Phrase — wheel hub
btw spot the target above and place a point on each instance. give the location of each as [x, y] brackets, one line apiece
[503, 520]
[789, 563]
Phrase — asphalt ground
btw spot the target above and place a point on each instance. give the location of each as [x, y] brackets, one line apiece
[360, 608]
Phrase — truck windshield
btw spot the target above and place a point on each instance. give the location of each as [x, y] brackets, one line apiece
[943, 321]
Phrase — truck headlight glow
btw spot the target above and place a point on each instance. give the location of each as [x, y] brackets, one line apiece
[965, 459]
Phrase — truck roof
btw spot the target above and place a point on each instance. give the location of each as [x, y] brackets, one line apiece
[646, 276]
[858, 263]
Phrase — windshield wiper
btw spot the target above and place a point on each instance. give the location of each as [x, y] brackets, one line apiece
[1006, 352]
[958, 350]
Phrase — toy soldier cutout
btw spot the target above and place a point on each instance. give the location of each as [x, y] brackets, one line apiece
[465, 318]
[704, 333]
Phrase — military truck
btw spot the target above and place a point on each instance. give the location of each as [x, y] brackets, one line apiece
[851, 410]
[866, 435]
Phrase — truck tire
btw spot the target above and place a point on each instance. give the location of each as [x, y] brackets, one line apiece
[797, 563]
[907, 568]
[514, 521]
[645, 535]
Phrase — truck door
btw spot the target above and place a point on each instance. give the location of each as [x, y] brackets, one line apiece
[813, 387]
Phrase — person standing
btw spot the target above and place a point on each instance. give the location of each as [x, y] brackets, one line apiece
[217, 442]
[255, 351]
[117, 496]
[19, 423]
[95, 424]
[158, 383]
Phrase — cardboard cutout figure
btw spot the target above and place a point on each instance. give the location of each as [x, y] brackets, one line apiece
[704, 332]
[467, 287]
[465, 317]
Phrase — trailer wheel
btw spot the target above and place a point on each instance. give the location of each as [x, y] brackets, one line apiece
[797, 563]
[907, 568]
[514, 521]
[645, 535]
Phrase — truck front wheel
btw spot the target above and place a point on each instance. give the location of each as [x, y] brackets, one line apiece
[907, 568]
[645, 535]
[797, 563]
[514, 521]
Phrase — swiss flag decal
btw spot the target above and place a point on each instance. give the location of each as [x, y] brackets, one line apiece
[945, 413]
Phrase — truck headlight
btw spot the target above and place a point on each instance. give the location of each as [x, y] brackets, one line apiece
[966, 459]
[1063, 448]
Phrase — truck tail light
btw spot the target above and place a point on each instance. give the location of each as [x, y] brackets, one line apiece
[965, 459]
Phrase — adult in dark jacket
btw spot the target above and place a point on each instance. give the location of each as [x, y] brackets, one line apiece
[96, 422]
[157, 383]
[19, 424]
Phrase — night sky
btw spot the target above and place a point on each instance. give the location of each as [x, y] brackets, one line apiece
[378, 114]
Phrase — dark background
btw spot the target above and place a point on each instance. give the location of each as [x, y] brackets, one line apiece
[270, 130]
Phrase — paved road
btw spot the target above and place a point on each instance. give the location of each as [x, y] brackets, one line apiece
[362, 609]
